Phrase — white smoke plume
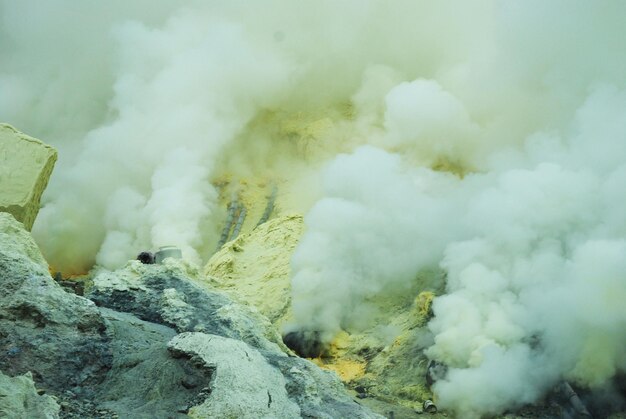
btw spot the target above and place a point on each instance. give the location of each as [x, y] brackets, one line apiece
[531, 236]
[122, 88]
[484, 137]
[170, 98]
[534, 252]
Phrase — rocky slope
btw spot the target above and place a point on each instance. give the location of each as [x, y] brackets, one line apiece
[145, 342]
[171, 340]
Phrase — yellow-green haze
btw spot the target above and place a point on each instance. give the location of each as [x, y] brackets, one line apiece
[484, 137]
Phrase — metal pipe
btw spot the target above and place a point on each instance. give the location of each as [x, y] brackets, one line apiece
[574, 400]
[430, 407]
[167, 252]
[239, 224]
[233, 207]
[269, 207]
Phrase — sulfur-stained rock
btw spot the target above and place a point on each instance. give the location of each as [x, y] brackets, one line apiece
[319, 393]
[18, 242]
[25, 167]
[254, 269]
[19, 399]
[229, 361]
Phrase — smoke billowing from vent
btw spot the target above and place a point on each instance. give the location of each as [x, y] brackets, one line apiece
[484, 137]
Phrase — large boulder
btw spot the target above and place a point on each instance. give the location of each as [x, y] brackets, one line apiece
[25, 167]
[19, 399]
[248, 383]
[236, 345]
[161, 345]
[254, 268]
[170, 294]
[145, 380]
[97, 362]
[59, 337]
[244, 384]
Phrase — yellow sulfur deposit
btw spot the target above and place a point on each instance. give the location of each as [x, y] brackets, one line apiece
[25, 167]
[254, 268]
[338, 360]
[423, 306]
[347, 369]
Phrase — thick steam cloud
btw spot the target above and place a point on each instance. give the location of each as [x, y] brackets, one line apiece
[533, 248]
[145, 99]
[530, 235]
[141, 178]
[487, 138]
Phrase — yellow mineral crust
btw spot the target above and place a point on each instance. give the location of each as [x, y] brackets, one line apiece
[347, 369]
[337, 359]
[384, 354]
[254, 268]
[25, 167]
[423, 307]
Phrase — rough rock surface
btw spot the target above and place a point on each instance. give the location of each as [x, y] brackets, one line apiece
[387, 363]
[19, 399]
[236, 270]
[97, 363]
[59, 337]
[126, 358]
[145, 381]
[25, 167]
[244, 385]
[319, 393]
[166, 294]
[18, 243]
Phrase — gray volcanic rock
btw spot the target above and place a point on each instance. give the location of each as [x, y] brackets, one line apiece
[244, 385]
[319, 393]
[128, 360]
[59, 337]
[248, 383]
[168, 295]
[145, 381]
[97, 362]
[251, 372]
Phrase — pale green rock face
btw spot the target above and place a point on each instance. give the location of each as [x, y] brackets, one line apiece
[19, 399]
[25, 167]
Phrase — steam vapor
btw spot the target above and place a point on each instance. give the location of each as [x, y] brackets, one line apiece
[486, 138]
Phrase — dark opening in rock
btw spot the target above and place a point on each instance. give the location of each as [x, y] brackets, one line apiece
[307, 344]
[146, 258]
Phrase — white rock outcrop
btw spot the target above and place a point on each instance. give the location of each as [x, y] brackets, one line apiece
[16, 241]
[243, 386]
